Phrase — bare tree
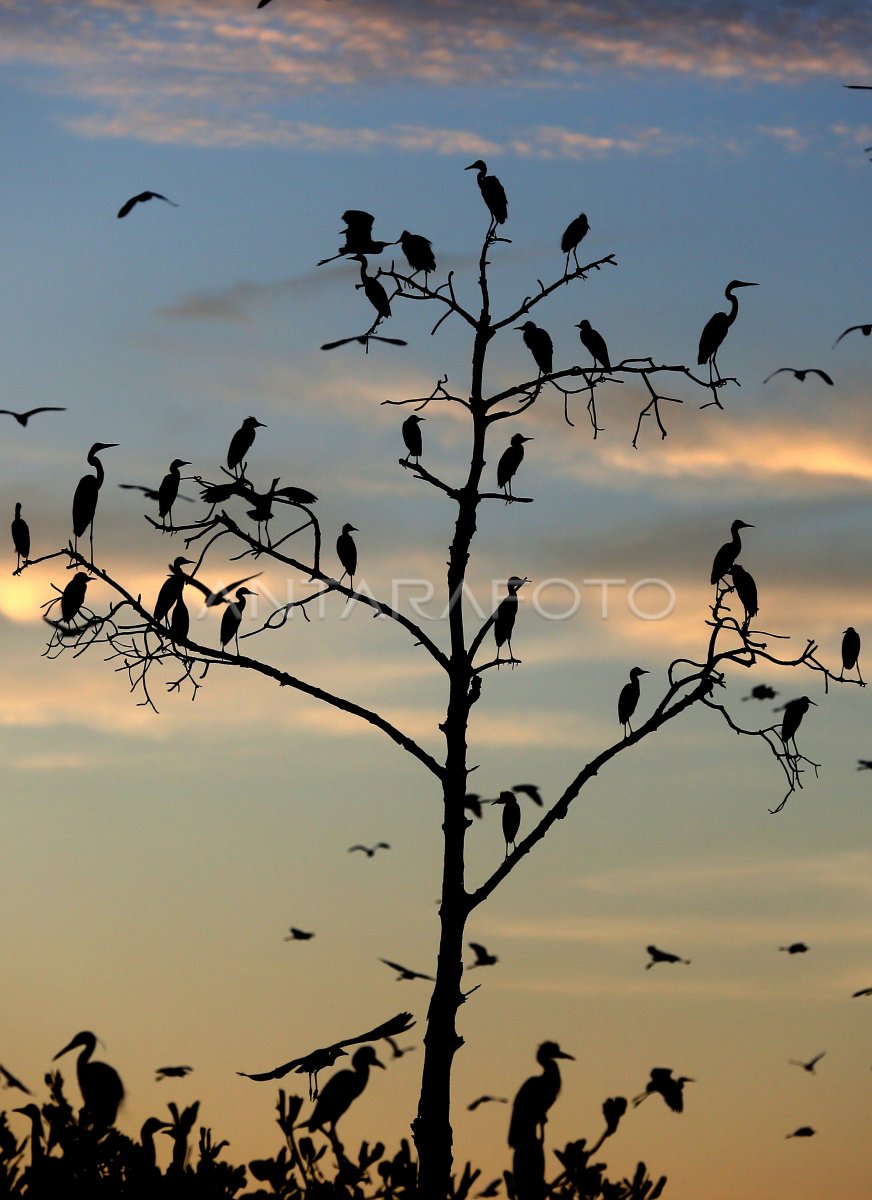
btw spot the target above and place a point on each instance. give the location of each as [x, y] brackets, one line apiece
[154, 643]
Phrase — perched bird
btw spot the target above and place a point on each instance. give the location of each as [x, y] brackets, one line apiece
[761, 691]
[662, 1083]
[73, 596]
[492, 193]
[804, 1131]
[729, 552]
[171, 1073]
[412, 437]
[373, 290]
[539, 343]
[794, 711]
[20, 537]
[169, 489]
[864, 329]
[298, 935]
[477, 1103]
[573, 234]
[595, 343]
[100, 1085]
[483, 957]
[504, 617]
[810, 1065]
[180, 620]
[629, 698]
[746, 590]
[342, 1089]
[850, 646]
[717, 327]
[530, 790]
[418, 252]
[800, 375]
[232, 617]
[511, 817]
[141, 199]
[241, 443]
[795, 948]
[510, 460]
[86, 493]
[23, 417]
[171, 588]
[405, 973]
[346, 551]
[369, 851]
[663, 956]
[9, 1081]
[535, 1097]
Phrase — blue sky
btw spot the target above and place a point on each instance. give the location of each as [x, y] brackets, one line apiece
[153, 863]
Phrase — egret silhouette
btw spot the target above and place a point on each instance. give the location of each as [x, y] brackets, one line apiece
[850, 646]
[232, 618]
[746, 590]
[510, 460]
[794, 711]
[298, 935]
[241, 443]
[34, 1176]
[479, 1100]
[629, 698]
[171, 1073]
[864, 329]
[342, 1089]
[86, 493]
[23, 417]
[358, 236]
[20, 537]
[804, 1131]
[810, 1065]
[511, 817]
[100, 1085]
[729, 552]
[180, 621]
[795, 948]
[418, 252]
[9, 1081]
[535, 1097]
[373, 290]
[369, 851]
[761, 691]
[539, 343]
[73, 596]
[169, 489]
[661, 1083]
[405, 973]
[141, 199]
[573, 234]
[412, 437]
[483, 957]
[504, 617]
[717, 327]
[663, 956]
[800, 375]
[492, 193]
[595, 343]
[347, 552]
[171, 589]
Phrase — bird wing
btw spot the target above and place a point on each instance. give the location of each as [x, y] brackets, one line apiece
[325, 1056]
[774, 373]
[844, 332]
[127, 206]
[529, 789]
[480, 950]
[862, 992]
[12, 1082]
[824, 376]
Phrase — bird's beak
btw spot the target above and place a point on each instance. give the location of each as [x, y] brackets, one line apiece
[376, 1063]
[563, 1054]
[527, 439]
[814, 702]
[471, 167]
[65, 1049]
[746, 285]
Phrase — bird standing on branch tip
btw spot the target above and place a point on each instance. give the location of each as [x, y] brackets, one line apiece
[369, 851]
[539, 343]
[20, 537]
[504, 617]
[595, 343]
[483, 957]
[810, 1065]
[850, 647]
[141, 199]
[241, 443]
[73, 596]
[716, 329]
[510, 460]
[629, 698]
[373, 290]
[412, 437]
[418, 252]
[171, 588]
[535, 1097]
[232, 617]
[100, 1085]
[864, 329]
[342, 1089]
[491, 192]
[794, 711]
[746, 590]
[86, 493]
[573, 234]
[662, 1083]
[729, 552]
[298, 935]
[800, 375]
[405, 973]
[663, 956]
[23, 417]
[347, 552]
[511, 817]
[169, 489]
[795, 948]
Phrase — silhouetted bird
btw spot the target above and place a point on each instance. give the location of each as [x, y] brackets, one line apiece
[23, 417]
[373, 290]
[150, 493]
[171, 589]
[171, 1073]
[262, 3]
[573, 234]
[717, 327]
[169, 489]
[346, 551]
[662, 1083]
[510, 460]
[539, 343]
[810, 1065]
[141, 199]
[20, 537]
[663, 956]
[729, 552]
[761, 691]
[803, 1132]
[862, 992]
[73, 596]
[86, 493]
[535, 1097]
[795, 948]
[405, 973]
[800, 375]
[100, 1085]
[595, 343]
[398, 1051]
[180, 621]
[472, 803]
[530, 790]
[864, 329]
[295, 495]
[864, 764]
[9, 1081]
[511, 817]
[794, 711]
[369, 851]
[418, 252]
[342, 1089]
[491, 192]
[504, 617]
[483, 957]
[358, 236]
[850, 648]
[232, 617]
[629, 698]
[477, 1103]
[746, 590]
[412, 437]
[298, 935]
[241, 442]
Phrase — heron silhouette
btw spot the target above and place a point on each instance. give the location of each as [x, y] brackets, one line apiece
[346, 551]
[810, 1065]
[662, 1084]
[86, 494]
[663, 956]
[850, 650]
[794, 711]
[412, 437]
[492, 192]
[716, 329]
[342, 1089]
[23, 417]
[483, 957]
[73, 596]
[171, 1073]
[373, 289]
[511, 817]
[864, 329]
[573, 234]
[405, 973]
[539, 343]
[595, 343]
[535, 1097]
[20, 537]
[100, 1085]
[418, 252]
[369, 851]
[232, 618]
[169, 489]
[241, 443]
[358, 236]
[801, 375]
[141, 198]
[629, 698]
[746, 590]
[510, 460]
[180, 620]
[729, 552]
[171, 588]
[504, 617]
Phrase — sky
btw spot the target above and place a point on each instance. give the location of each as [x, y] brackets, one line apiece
[151, 863]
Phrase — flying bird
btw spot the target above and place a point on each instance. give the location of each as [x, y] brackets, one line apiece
[171, 1073]
[483, 957]
[804, 1131]
[864, 329]
[595, 343]
[729, 552]
[369, 851]
[800, 375]
[530, 790]
[358, 236]
[661, 1083]
[298, 935]
[477, 1103]
[140, 199]
[716, 329]
[629, 698]
[761, 691]
[100, 1085]
[405, 973]
[23, 417]
[810, 1065]
[864, 764]
[573, 234]
[510, 460]
[397, 1051]
[862, 992]
[663, 956]
[492, 193]
[9, 1081]
[795, 948]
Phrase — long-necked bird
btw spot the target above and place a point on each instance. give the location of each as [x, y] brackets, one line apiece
[535, 1097]
[169, 489]
[373, 289]
[629, 698]
[346, 551]
[492, 192]
[510, 460]
[86, 494]
[717, 327]
[171, 588]
[729, 552]
[342, 1089]
[358, 236]
[232, 617]
[141, 199]
[507, 611]
[241, 443]
[662, 1084]
[100, 1085]
[20, 537]
[595, 343]
[746, 590]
